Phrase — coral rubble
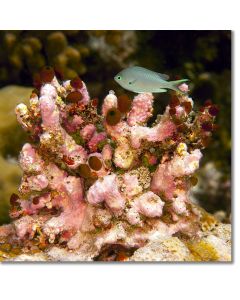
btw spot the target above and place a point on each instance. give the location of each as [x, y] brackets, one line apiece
[96, 184]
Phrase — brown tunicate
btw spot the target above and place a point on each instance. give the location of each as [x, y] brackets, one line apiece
[94, 102]
[174, 102]
[208, 103]
[76, 83]
[47, 74]
[37, 82]
[213, 110]
[95, 163]
[172, 111]
[74, 97]
[84, 171]
[113, 116]
[35, 200]
[124, 103]
[13, 199]
[207, 126]
[194, 180]
[205, 141]
[59, 73]
[187, 106]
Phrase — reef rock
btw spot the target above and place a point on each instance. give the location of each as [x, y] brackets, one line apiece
[214, 245]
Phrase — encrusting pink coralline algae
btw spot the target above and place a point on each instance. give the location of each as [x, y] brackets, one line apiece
[93, 181]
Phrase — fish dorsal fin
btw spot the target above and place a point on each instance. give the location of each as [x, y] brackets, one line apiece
[163, 76]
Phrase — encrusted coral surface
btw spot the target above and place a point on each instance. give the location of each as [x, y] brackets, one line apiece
[95, 183]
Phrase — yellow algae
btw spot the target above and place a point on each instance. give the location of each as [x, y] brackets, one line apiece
[208, 221]
[181, 149]
[203, 251]
[170, 249]
[16, 251]
[210, 248]
[5, 247]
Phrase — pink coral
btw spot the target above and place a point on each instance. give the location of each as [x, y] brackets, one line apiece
[141, 109]
[37, 182]
[171, 177]
[91, 183]
[132, 185]
[107, 190]
[95, 140]
[164, 178]
[184, 87]
[157, 133]
[52, 126]
[29, 160]
[107, 152]
[149, 205]
[74, 124]
[66, 87]
[88, 131]
[109, 102]
[70, 200]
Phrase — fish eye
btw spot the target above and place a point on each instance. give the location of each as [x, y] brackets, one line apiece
[119, 77]
[130, 82]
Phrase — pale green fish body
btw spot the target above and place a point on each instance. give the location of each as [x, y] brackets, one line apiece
[141, 80]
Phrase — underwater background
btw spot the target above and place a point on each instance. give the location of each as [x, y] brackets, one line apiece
[96, 56]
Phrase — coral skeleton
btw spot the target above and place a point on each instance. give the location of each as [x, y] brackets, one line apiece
[96, 180]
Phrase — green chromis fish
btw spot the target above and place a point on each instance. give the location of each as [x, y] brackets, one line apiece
[141, 80]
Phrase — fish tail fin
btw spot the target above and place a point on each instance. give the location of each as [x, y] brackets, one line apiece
[175, 84]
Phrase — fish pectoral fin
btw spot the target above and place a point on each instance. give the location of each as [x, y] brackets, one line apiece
[162, 90]
[163, 76]
[133, 81]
